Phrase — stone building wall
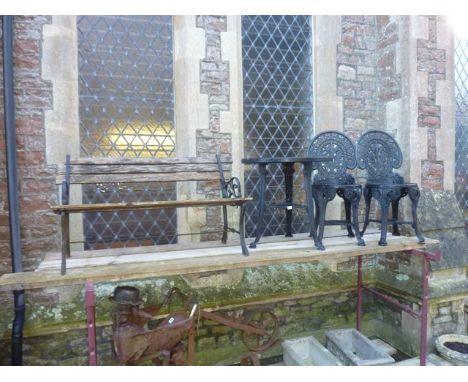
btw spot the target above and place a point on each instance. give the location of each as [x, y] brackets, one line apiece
[431, 60]
[215, 82]
[37, 191]
[309, 304]
[373, 66]
[357, 75]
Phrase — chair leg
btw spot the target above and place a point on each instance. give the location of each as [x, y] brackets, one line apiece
[317, 214]
[314, 230]
[322, 200]
[347, 204]
[245, 251]
[310, 201]
[384, 198]
[414, 197]
[367, 200]
[395, 205]
[355, 214]
[352, 196]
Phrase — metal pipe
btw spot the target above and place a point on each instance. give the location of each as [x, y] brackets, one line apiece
[12, 180]
[424, 309]
[394, 302]
[359, 295]
[90, 302]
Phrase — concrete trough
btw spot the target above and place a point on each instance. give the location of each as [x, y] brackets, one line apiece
[307, 351]
[353, 348]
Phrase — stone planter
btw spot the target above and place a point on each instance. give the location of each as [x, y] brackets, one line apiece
[307, 351]
[453, 356]
[353, 348]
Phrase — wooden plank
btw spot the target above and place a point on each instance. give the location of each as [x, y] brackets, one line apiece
[138, 178]
[223, 259]
[74, 208]
[131, 170]
[144, 161]
[152, 249]
[143, 169]
[116, 257]
[177, 251]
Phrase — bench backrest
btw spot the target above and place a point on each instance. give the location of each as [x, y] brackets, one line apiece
[136, 170]
[133, 170]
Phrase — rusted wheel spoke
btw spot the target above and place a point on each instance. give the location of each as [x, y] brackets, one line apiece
[260, 319]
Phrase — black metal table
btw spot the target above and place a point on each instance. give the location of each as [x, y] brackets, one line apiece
[288, 205]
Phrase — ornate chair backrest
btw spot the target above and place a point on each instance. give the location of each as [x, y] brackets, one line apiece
[378, 153]
[338, 146]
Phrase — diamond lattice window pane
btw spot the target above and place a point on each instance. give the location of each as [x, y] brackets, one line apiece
[278, 112]
[129, 228]
[126, 86]
[461, 122]
[126, 110]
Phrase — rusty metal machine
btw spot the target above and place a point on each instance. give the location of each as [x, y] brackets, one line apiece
[134, 343]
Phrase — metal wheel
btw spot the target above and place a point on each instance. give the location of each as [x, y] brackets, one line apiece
[260, 319]
[234, 188]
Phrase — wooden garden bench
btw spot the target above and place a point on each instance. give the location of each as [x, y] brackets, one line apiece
[83, 171]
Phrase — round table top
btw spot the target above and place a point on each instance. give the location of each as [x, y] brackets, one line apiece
[286, 160]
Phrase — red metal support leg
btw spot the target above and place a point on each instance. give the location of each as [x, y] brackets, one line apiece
[359, 294]
[91, 323]
[424, 309]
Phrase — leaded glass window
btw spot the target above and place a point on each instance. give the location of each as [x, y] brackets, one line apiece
[461, 121]
[278, 111]
[126, 107]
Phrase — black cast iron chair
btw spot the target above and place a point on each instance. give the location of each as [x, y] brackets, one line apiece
[378, 153]
[333, 179]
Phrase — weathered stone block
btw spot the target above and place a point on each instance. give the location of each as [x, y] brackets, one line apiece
[346, 72]
[441, 218]
[353, 348]
[444, 328]
[444, 310]
[307, 351]
[442, 319]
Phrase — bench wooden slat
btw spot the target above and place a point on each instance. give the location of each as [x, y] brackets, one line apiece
[140, 178]
[143, 168]
[75, 208]
[134, 170]
[144, 161]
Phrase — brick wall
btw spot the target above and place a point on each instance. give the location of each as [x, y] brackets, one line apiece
[448, 317]
[215, 82]
[214, 72]
[367, 76]
[37, 189]
[214, 342]
[357, 75]
[432, 61]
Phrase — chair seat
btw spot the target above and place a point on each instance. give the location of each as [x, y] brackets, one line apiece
[321, 185]
[401, 185]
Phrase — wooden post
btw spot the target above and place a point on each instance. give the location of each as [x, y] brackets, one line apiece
[65, 227]
[90, 302]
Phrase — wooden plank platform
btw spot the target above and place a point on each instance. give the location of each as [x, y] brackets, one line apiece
[192, 260]
[74, 208]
